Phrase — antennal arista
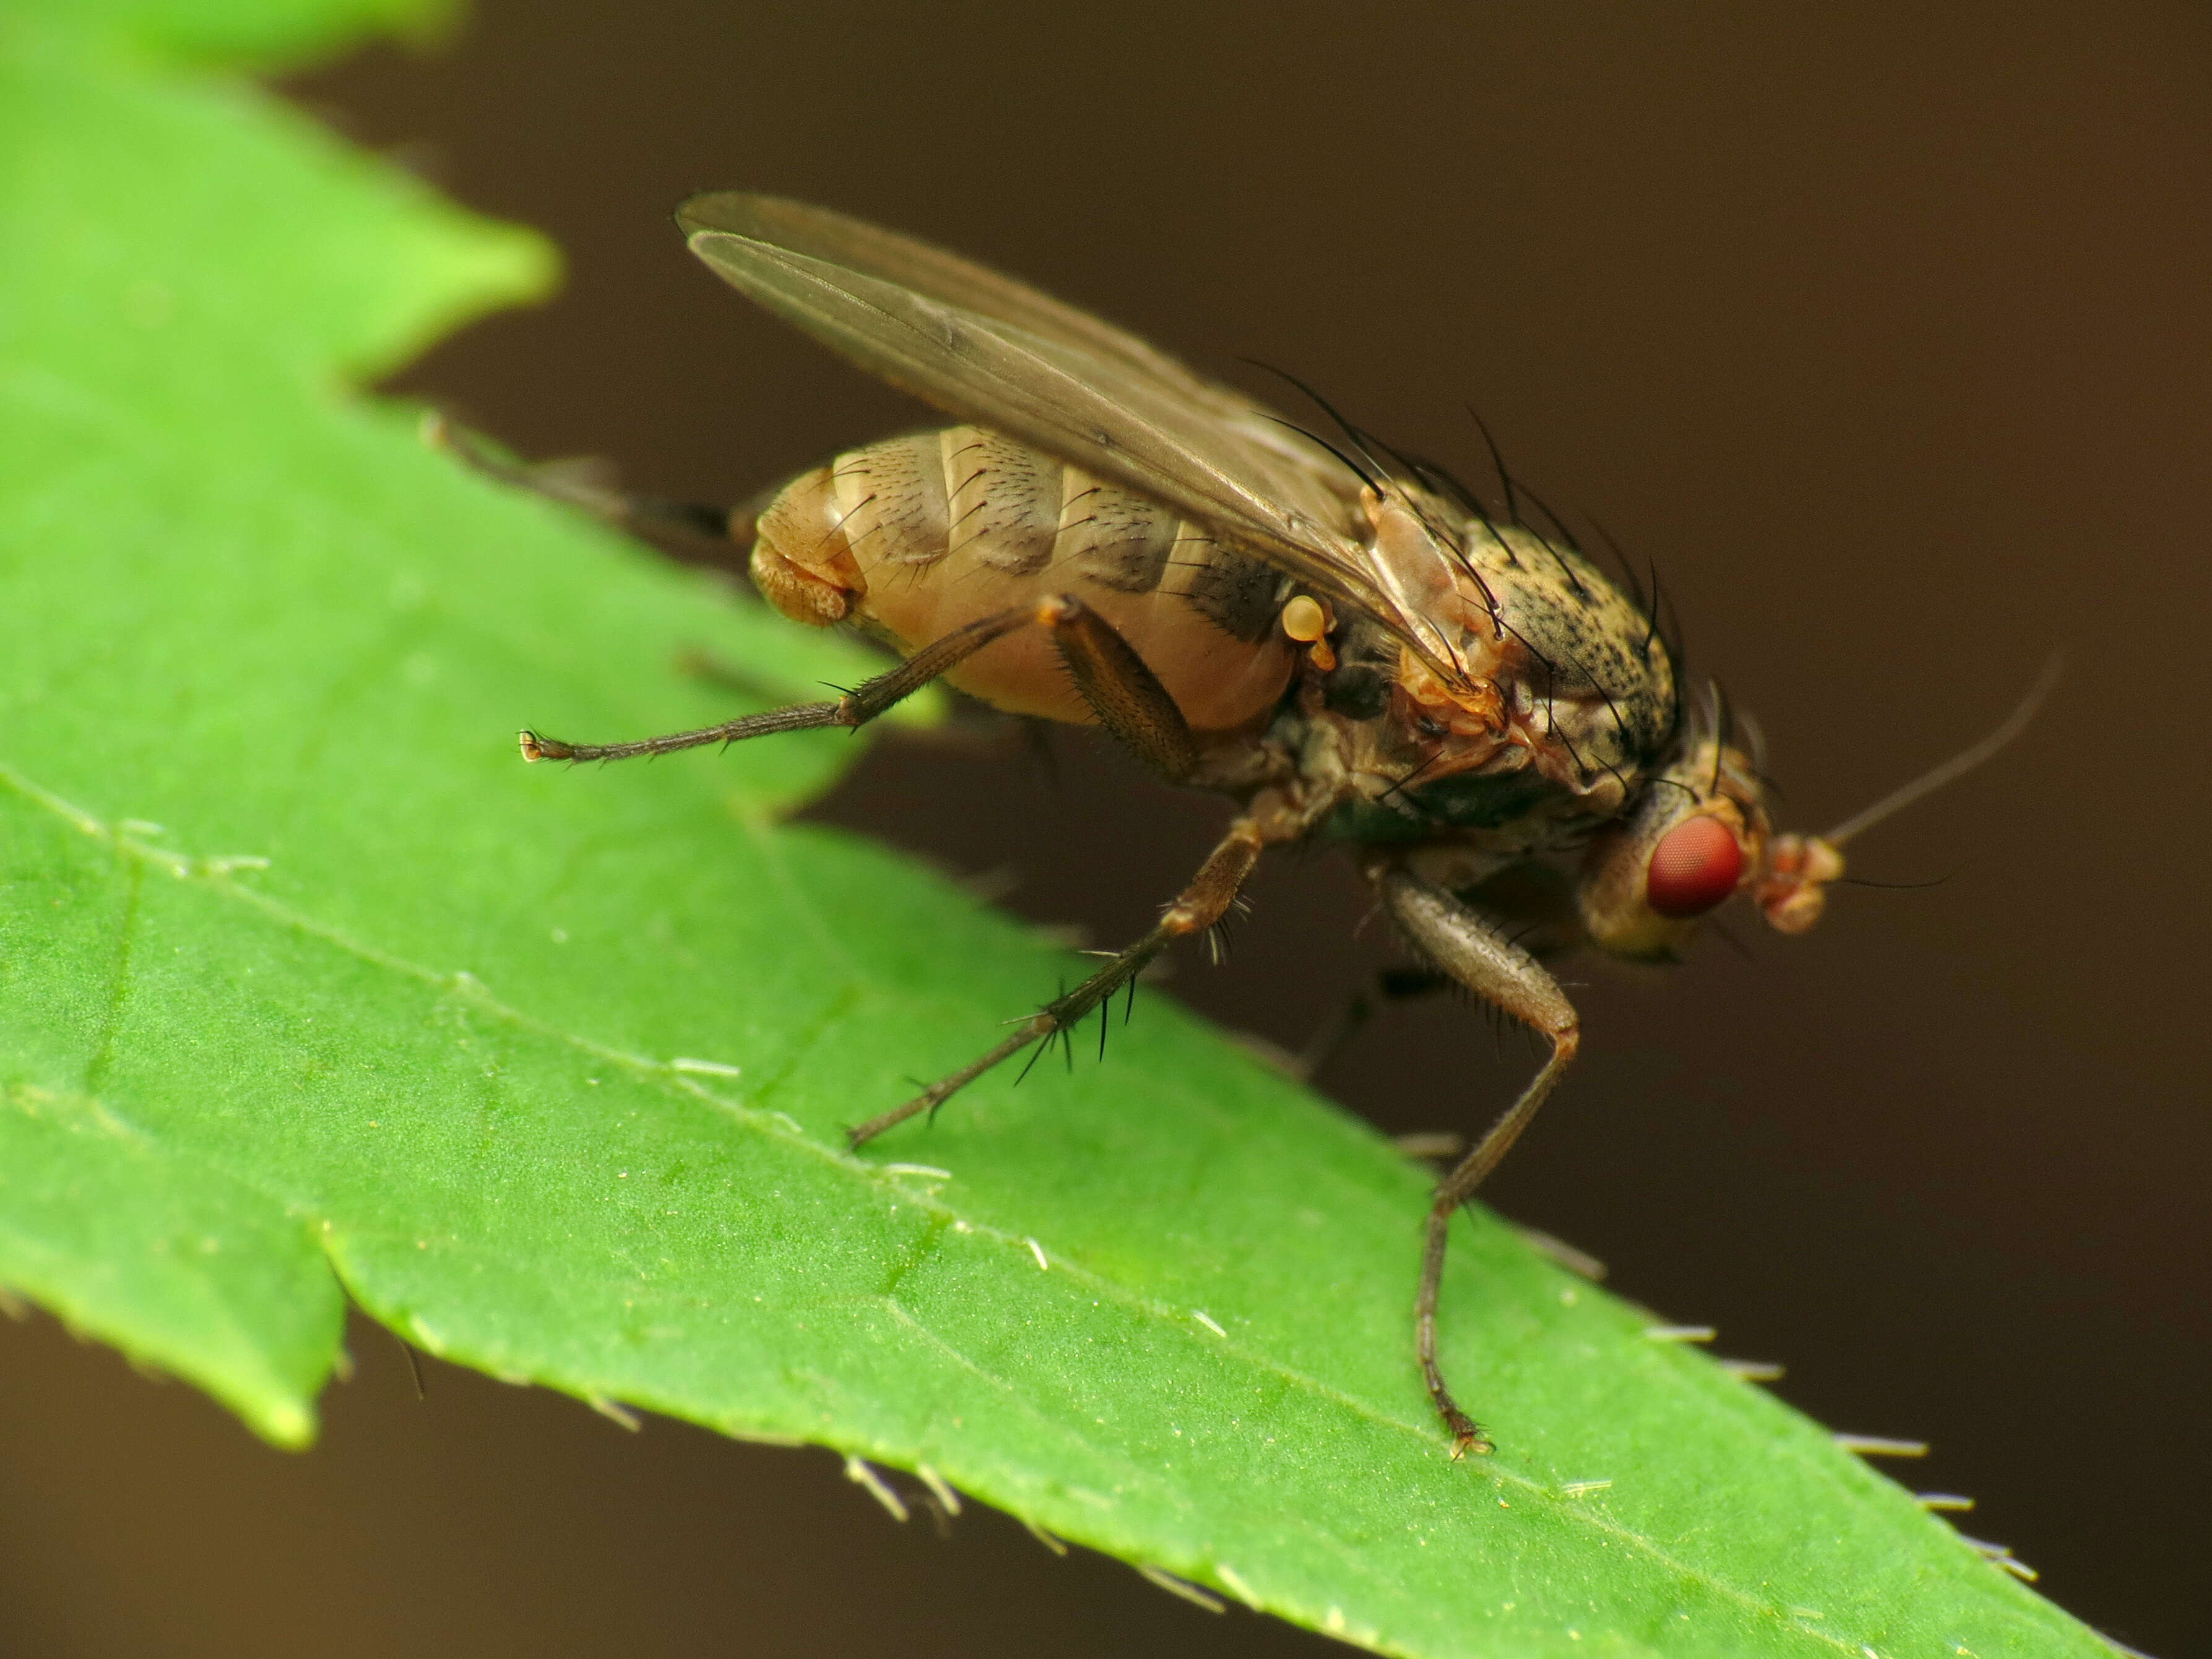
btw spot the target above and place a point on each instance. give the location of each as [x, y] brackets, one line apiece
[1793, 890]
[1961, 763]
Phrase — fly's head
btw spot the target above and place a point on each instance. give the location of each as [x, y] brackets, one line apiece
[1697, 834]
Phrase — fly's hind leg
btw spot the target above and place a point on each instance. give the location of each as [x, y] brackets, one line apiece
[1475, 951]
[1128, 698]
[967, 733]
[856, 708]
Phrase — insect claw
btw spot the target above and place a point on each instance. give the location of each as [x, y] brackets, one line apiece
[1467, 1435]
[535, 748]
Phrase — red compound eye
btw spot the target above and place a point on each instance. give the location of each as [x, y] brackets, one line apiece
[1696, 865]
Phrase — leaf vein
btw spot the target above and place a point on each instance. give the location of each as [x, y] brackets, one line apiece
[119, 982]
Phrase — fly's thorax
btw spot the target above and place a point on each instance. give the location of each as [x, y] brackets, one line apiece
[1537, 703]
[915, 536]
[1585, 674]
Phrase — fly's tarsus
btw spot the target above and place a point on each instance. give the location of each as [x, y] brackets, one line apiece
[799, 718]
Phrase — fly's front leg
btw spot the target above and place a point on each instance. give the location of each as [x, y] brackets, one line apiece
[1474, 950]
[1201, 904]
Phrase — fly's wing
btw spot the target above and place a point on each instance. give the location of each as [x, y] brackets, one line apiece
[989, 349]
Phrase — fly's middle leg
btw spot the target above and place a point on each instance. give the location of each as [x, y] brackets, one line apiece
[1476, 952]
[1130, 703]
[1199, 907]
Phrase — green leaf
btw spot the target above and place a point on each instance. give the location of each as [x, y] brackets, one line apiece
[305, 982]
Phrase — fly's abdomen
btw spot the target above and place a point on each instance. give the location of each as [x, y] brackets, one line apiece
[914, 537]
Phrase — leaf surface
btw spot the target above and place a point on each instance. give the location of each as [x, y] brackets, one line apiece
[309, 989]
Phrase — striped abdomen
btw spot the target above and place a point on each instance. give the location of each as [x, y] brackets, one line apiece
[914, 537]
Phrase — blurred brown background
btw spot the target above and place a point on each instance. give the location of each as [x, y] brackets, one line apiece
[1885, 333]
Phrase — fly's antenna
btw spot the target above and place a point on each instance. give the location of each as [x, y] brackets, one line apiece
[1961, 763]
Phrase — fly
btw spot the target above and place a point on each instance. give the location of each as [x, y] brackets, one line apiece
[1350, 648]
